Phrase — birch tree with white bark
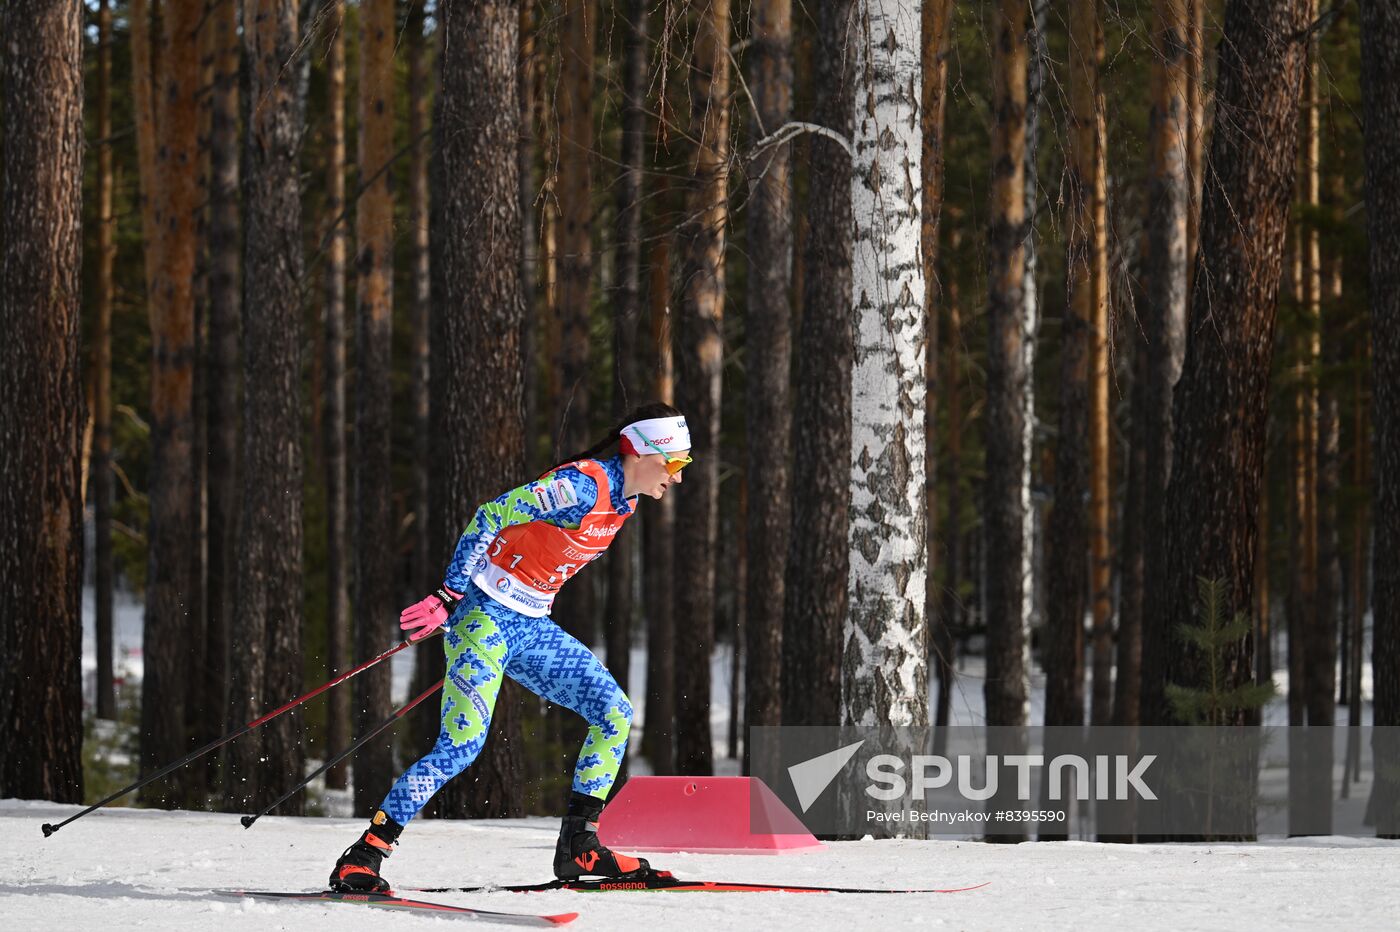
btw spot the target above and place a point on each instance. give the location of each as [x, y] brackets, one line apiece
[885, 674]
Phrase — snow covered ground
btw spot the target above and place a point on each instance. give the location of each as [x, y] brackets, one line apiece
[123, 868]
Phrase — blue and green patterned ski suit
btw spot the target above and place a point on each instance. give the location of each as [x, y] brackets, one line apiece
[485, 640]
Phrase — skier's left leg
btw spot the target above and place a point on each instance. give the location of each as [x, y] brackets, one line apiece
[475, 642]
[557, 666]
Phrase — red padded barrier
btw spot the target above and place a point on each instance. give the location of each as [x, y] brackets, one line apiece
[708, 815]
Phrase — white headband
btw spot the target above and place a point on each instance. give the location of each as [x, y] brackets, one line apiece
[668, 433]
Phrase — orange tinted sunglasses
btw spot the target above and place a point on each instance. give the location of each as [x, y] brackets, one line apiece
[674, 464]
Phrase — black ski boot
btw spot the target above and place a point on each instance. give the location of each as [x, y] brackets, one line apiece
[357, 871]
[579, 853]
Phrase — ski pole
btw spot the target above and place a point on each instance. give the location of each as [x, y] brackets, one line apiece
[49, 829]
[248, 820]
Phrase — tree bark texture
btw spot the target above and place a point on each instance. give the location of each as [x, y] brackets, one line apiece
[1380, 74]
[1100, 478]
[1164, 326]
[885, 670]
[575, 611]
[621, 606]
[934, 41]
[266, 659]
[698, 392]
[950, 618]
[102, 390]
[1069, 527]
[222, 378]
[659, 526]
[424, 722]
[478, 447]
[532, 141]
[41, 404]
[1307, 293]
[1037, 60]
[1196, 59]
[1007, 378]
[768, 336]
[815, 599]
[171, 639]
[375, 550]
[338, 561]
[1322, 687]
[1219, 407]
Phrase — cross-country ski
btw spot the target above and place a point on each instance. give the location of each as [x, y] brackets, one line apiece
[393, 902]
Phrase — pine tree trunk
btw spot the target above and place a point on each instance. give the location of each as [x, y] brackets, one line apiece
[1007, 378]
[1008, 391]
[628, 301]
[1127, 684]
[1036, 60]
[102, 353]
[815, 599]
[951, 611]
[549, 328]
[172, 643]
[531, 79]
[738, 547]
[204, 708]
[1303, 605]
[478, 436]
[1358, 566]
[338, 565]
[1168, 251]
[885, 677]
[1295, 599]
[375, 550]
[41, 403]
[1100, 417]
[222, 376]
[935, 40]
[659, 525]
[1319, 647]
[701, 363]
[1318, 638]
[1079, 521]
[768, 334]
[1068, 534]
[143, 73]
[1196, 55]
[575, 105]
[428, 564]
[1380, 73]
[1263, 623]
[266, 660]
[1322, 642]
[1219, 408]
[575, 610]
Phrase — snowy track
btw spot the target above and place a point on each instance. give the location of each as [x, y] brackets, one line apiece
[127, 869]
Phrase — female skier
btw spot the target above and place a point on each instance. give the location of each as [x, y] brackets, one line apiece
[494, 607]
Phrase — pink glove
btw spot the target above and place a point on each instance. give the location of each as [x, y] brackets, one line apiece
[425, 617]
